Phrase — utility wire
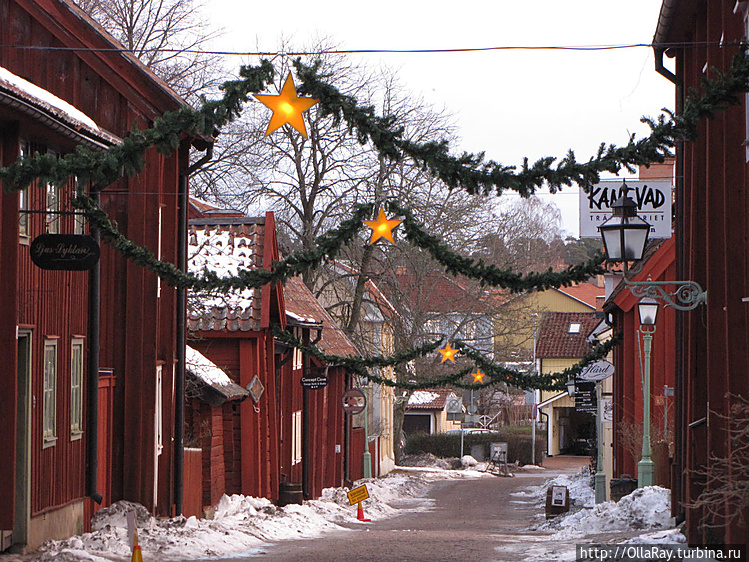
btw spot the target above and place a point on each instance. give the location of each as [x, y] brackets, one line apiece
[680, 45]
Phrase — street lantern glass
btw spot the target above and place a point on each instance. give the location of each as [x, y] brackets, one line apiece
[624, 234]
[571, 387]
[648, 309]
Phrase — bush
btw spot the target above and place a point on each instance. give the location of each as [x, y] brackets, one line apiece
[445, 445]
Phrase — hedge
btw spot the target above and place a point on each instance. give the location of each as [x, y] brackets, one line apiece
[446, 445]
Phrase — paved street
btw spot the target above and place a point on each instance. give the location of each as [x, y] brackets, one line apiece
[474, 519]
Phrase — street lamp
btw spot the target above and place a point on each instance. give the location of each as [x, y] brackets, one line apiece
[648, 310]
[624, 234]
[571, 387]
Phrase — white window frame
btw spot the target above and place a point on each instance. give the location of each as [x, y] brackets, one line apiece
[49, 393]
[76, 387]
[298, 360]
[53, 195]
[296, 437]
[159, 410]
[23, 204]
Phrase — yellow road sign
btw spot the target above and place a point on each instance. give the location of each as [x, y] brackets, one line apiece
[358, 494]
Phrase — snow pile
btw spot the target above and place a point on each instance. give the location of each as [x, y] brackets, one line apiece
[579, 485]
[645, 508]
[240, 523]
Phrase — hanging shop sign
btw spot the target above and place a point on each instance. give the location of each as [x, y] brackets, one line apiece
[585, 397]
[596, 371]
[68, 252]
[353, 401]
[653, 200]
[314, 379]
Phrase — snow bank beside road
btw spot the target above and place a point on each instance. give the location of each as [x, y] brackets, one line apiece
[240, 523]
[645, 508]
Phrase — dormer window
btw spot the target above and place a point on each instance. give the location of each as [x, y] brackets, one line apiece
[574, 328]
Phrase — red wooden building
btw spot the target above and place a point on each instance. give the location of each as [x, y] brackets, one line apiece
[283, 436]
[657, 265]
[46, 336]
[712, 235]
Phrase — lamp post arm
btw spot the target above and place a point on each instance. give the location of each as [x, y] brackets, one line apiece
[687, 296]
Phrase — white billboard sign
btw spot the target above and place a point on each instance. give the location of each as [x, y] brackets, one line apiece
[653, 200]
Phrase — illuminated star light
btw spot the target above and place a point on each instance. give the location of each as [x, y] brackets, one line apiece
[382, 228]
[287, 107]
[448, 353]
[478, 376]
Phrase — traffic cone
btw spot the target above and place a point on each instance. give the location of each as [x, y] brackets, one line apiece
[360, 513]
[137, 554]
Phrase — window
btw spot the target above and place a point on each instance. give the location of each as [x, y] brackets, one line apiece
[76, 389]
[79, 221]
[296, 437]
[159, 419]
[23, 202]
[574, 328]
[297, 361]
[49, 402]
[53, 209]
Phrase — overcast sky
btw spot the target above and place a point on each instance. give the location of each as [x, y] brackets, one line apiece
[508, 103]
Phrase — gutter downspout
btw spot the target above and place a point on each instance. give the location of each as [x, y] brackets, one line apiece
[180, 332]
[92, 383]
[659, 51]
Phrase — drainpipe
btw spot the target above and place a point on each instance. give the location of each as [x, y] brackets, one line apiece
[678, 473]
[180, 333]
[92, 384]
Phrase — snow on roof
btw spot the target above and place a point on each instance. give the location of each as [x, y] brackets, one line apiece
[205, 369]
[422, 397]
[225, 250]
[59, 107]
[212, 376]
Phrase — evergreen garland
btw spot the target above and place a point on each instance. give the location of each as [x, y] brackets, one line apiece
[496, 373]
[468, 171]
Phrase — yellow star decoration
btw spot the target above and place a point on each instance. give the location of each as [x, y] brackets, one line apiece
[478, 376]
[382, 227]
[287, 107]
[448, 353]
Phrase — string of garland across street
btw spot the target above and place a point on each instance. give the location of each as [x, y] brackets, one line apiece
[469, 172]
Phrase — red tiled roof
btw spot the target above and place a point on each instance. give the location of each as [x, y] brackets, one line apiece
[587, 293]
[434, 399]
[225, 245]
[303, 305]
[555, 339]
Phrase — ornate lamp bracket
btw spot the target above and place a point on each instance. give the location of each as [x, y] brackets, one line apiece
[687, 296]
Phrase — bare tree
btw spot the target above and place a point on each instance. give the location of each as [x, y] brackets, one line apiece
[168, 36]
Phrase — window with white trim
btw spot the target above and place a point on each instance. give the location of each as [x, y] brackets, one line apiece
[159, 421]
[23, 203]
[297, 361]
[296, 437]
[53, 209]
[76, 388]
[49, 397]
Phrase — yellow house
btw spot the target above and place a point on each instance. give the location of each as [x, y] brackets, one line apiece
[515, 334]
[563, 341]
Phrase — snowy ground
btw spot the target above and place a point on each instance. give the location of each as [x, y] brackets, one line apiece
[243, 523]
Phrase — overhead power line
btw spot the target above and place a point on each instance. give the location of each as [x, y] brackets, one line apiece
[681, 45]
